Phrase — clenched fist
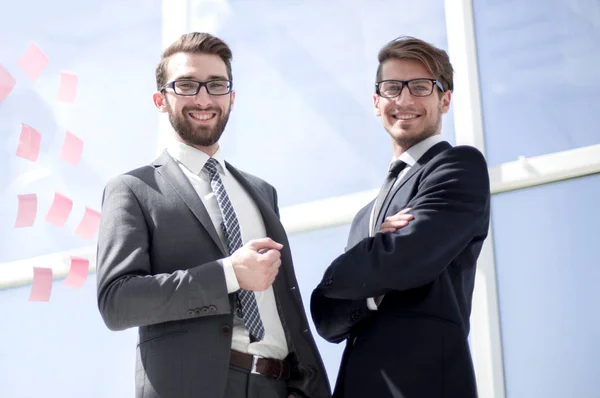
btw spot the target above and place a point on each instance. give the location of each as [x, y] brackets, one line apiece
[256, 264]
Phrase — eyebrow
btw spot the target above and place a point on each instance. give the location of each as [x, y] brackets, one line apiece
[211, 77]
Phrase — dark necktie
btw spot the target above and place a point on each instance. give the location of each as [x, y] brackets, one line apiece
[395, 168]
[231, 228]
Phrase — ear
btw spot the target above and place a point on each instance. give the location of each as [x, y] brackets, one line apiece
[232, 100]
[160, 102]
[376, 105]
[445, 101]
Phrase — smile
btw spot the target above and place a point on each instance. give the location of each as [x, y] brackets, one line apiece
[202, 116]
[405, 116]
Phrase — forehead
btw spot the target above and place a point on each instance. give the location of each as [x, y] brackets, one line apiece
[197, 66]
[404, 69]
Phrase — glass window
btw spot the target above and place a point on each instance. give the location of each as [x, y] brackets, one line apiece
[313, 252]
[112, 48]
[545, 243]
[304, 75]
[538, 75]
[62, 348]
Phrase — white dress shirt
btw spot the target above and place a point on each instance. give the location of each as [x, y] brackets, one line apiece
[191, 161]
[410, 157]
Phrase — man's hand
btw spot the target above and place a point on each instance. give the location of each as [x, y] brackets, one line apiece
[397, 221]
[256, 264]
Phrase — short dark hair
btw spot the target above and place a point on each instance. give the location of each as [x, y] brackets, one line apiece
[435, 59]
[193, 43]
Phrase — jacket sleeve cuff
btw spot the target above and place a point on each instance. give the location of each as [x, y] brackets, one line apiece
[371, 304]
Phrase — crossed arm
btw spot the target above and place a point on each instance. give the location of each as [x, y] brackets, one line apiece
[452, 204]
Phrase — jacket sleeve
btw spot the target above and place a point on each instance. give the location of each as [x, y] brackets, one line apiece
[334, 318]
[129, 293]
[451, 206]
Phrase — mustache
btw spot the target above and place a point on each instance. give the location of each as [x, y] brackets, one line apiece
[401, 110]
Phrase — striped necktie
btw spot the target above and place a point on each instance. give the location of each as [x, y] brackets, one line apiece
[231, 228]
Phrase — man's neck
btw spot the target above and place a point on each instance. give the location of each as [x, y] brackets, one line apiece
[209, 150]
[417, 149]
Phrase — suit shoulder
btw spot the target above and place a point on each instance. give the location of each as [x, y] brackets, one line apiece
[133, 177]
[467, 151]
[462, 162]
[462, 154]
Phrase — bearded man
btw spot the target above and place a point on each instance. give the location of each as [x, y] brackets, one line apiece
[191, 251]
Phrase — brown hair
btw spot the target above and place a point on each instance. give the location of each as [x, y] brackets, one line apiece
[435, 59]
[193, 43]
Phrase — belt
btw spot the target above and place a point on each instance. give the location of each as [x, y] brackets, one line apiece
[258, 365]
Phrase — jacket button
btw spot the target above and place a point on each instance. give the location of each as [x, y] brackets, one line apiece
[226, 329]
[212, 308]
[197, 312]
[190, 312]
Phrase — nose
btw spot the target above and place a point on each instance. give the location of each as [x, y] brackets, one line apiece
[203, 98]
[405, 97]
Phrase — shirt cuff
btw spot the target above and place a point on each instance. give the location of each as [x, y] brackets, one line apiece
[371, 304]
[230, 278]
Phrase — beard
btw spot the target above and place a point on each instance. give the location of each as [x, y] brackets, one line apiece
[204, 136]
[407, 141]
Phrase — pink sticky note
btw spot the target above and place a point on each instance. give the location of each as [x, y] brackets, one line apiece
[71, 149]
[34, 61]
[60, 210]
[89, 224]
[7, 83]
[78, 272]
[27, 210]
[68, 87]
[41, 287]
[29, 143]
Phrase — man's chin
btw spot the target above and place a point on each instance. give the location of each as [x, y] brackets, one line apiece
[205, 139]
[402, 134]
[201, 142]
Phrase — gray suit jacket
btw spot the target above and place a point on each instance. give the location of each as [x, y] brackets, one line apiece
[158, 268]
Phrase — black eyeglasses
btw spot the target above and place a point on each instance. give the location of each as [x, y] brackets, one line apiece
[417, 87]
[192, 87]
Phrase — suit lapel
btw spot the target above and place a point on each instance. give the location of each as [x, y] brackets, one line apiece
[430, 154]
[169, 169]
[272, 225]
[422, 161]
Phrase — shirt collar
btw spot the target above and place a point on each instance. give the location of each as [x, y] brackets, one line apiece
[414, 153]
[194, 159]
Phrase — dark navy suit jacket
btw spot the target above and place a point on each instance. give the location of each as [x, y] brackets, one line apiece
[416, 343]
